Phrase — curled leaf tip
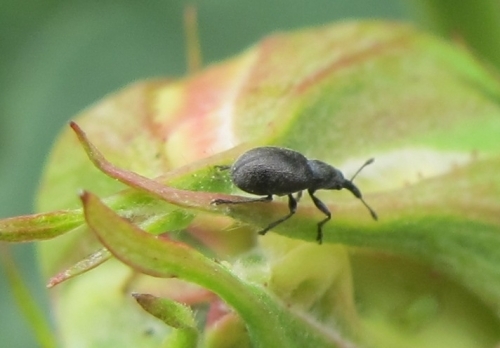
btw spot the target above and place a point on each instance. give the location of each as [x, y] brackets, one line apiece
[84, 196]
[140, 297]
[143, 299]
[53, 281]
[82, 137]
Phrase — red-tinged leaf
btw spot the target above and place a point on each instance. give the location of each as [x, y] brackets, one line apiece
[269, 322]
[90, 262]
[35, 227]
[176, 196]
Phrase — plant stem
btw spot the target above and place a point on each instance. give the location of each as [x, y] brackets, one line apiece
[32, 313]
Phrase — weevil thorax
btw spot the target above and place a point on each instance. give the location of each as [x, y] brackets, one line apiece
[326, 177]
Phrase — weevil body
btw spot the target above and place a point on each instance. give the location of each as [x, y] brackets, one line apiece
[270, 170]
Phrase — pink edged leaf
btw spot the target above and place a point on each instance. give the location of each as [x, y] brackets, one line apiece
[90, 262]
[184, 198]
[269, 321]
[29, 228]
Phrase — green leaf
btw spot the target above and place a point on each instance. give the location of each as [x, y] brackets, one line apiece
[173, 314]
[39, 226]
[269, 322]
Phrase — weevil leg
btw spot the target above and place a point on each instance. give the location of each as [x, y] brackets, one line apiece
[241, 201]
[292, 206]
[298, 196]
[321, 206]
[222, 167]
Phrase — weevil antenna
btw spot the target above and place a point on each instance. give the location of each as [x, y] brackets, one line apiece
[357, 193]
[351, 187]
[370, 161]
[372, 212]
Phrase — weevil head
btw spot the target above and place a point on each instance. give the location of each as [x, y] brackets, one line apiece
[348, 185]
[325, 176]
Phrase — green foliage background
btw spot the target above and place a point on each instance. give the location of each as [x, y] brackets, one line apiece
[58, 57]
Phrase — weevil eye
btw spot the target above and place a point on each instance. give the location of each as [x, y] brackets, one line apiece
[325, 176]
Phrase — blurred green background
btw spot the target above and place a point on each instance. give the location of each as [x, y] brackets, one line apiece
[58, 57]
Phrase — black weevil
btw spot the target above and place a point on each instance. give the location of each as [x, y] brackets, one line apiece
[271, 170]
